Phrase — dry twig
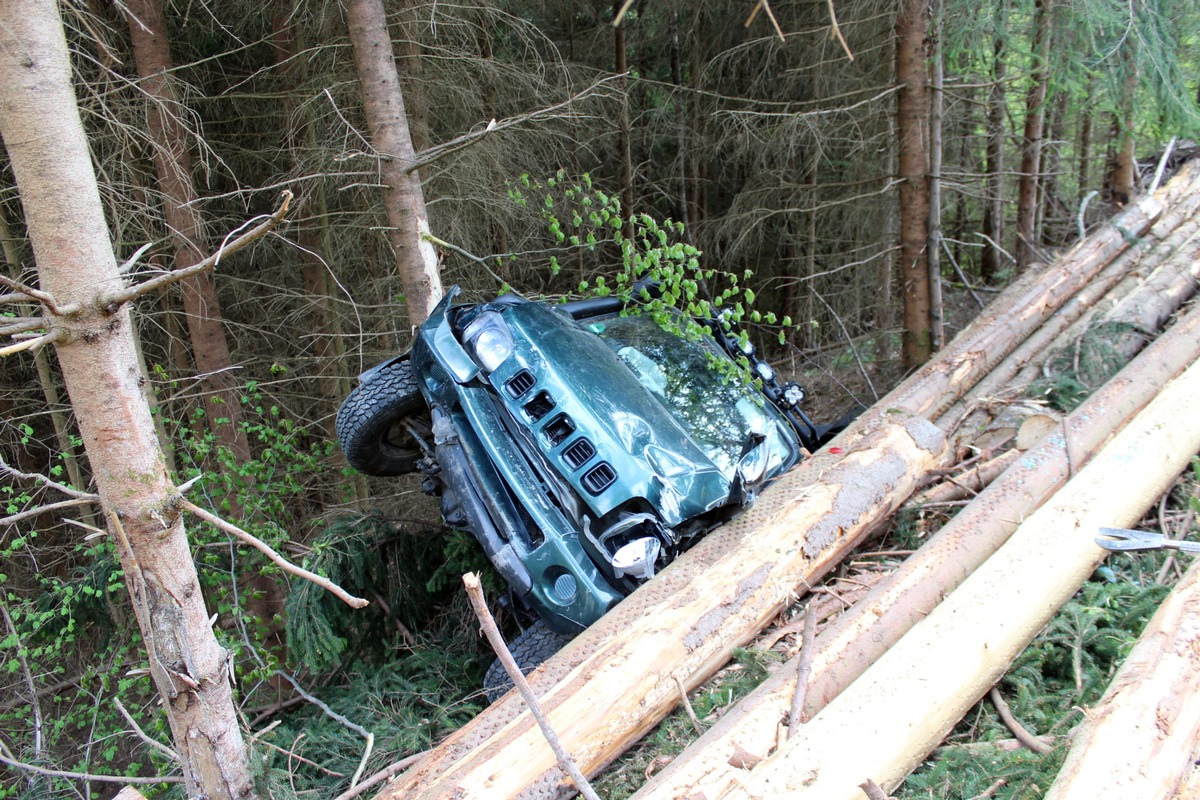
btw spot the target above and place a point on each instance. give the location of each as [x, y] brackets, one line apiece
[265, 549]
[475, 593]
[1018, 730]
[803, 669]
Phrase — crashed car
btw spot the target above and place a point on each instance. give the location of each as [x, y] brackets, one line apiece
[584, 445]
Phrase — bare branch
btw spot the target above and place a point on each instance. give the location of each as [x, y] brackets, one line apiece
[620, 17]
[25, 292]
[382, 775]
[31, 344]
[835, 30]
[804, 669]
[113, 301]
[568, 765]
[162, 748]
[88, 776]
[432, 154]
[265, 549]
[13, 519]
[33, 476]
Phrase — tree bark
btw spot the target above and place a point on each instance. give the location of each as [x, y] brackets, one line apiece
[1137, 741]
[1031, 147]
[936, 144]
[387, 125]
[40, 125]
[993, 210]
[912, 28]
[173, 165]
[889, 719]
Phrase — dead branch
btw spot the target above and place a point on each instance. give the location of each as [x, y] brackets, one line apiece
[31, 344]
[265, 549]
[835, 31]
[475, 593]
[804, 669]
[33, 476]
[437, 152]
[26, 292]
[89, 776]
[113, 301]
[1019, 731]
[157, 745]
[383, 775]
[872, 791]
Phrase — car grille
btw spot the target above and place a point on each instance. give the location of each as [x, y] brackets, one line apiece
[558, 429]
[599, 477]
[578, 453]
[541, 405]
[520, 383]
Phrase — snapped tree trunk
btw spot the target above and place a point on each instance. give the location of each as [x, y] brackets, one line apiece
[624, 127]
[40, 125]
[912, 27]
[387, 125]
[173, 165]
[1031, 147]
[1123, 172]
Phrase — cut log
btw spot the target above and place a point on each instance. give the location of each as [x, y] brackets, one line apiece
[618, 678]
[901, 707]
[861, 635]
[969, 482]
[1137, 741]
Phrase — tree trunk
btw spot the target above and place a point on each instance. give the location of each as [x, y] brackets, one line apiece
[858, 638]
[173, 165]
[1137, 741]
[1123, 174]
[684, 624]
[993, 210]
[936, 143]
[1031, 147]
[912, 27]
[624, 127]
[889, 719]
[40, 125]
[387, 124]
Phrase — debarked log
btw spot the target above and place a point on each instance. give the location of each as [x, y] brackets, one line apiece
[902, 706]
[858, 638]
[622, 675]
[1138, 740]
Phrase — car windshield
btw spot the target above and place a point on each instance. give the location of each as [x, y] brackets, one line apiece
[719, 412]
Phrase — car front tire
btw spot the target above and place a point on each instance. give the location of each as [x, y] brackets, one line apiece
[380, 422]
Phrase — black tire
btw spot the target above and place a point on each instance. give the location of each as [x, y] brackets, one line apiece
[535, 644]
[376, 422]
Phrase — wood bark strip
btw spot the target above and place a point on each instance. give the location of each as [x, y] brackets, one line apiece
[859, 637]
[684, 624]
[902, 706]
[1137, 741]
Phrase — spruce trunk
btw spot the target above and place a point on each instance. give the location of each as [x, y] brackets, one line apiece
[41, 128]
[387, 125]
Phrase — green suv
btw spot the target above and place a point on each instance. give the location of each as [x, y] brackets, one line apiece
[584, 445]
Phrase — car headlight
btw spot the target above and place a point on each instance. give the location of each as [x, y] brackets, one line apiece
[793, 395]
[488, 340]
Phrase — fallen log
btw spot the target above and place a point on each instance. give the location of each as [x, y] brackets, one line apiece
[860, 637]
[905, 703]
[1171, 232]
[1137, 741]
[618, 678]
